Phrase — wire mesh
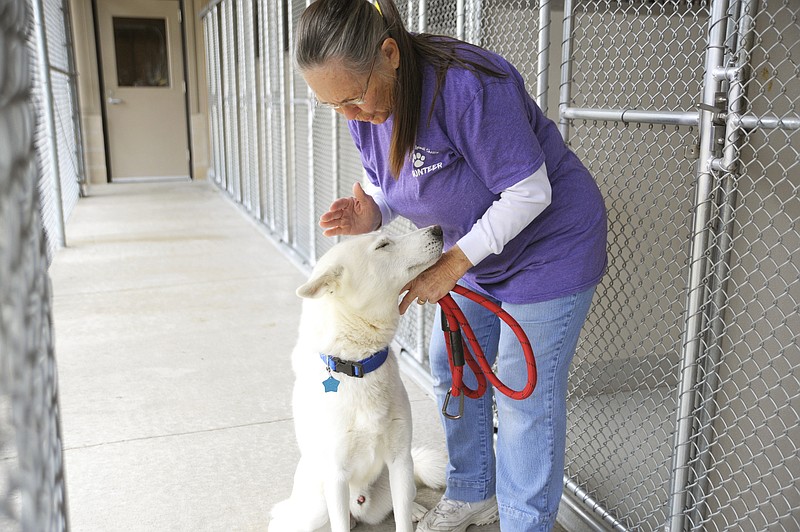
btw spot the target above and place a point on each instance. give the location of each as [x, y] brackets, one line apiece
[746, 416]
[211, 94]
[638, 54]
[57, 138]
[621, 389]
[746, 475]
[440, 19]
[325, 174]
[63, 87]
[624, 376]
[214, 82]
[271, 27]
[32, 485]
[511, 29]
[58, 46]
[301, 117]
[222, 163]
[233, 170]
[246, 85]
[349, 159]
[55, 89]
[264, 118]
[45, 156]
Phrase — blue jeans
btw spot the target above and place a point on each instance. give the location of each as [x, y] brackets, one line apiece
[527, 473]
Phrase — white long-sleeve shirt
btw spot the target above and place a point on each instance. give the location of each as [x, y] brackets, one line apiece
[516, 208]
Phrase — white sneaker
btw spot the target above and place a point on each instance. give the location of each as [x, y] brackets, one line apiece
[456, 516]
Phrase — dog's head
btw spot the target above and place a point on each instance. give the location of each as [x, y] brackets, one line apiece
[368, 271]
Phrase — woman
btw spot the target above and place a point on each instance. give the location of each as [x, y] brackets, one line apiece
[449, 136]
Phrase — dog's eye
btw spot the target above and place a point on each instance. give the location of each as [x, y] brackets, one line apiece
[382, 244]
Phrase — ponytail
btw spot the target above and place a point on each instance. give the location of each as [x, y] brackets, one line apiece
[407, 89]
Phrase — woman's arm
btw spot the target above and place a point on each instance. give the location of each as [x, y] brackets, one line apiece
[507, 217]
[375, 192]
[503, 220]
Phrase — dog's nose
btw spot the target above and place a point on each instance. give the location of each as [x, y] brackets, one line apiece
[436, 231]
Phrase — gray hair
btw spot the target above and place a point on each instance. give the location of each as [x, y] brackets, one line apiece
[349, 31]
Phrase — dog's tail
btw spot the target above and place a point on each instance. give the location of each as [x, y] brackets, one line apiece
[429, 466]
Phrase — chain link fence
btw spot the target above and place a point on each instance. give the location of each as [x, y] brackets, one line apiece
[58, 137]
[688, 371]
[685, 391]
[32, 485]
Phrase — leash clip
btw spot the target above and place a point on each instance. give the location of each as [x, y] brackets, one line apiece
[453, 323]
[447, 402]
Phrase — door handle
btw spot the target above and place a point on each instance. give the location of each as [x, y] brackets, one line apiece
[114, 101]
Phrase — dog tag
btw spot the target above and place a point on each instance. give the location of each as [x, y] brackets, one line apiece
[330, 384]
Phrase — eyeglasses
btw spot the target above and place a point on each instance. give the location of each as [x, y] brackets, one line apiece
[347, 103]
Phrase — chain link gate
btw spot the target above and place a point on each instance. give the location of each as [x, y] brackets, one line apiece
[699, 110]
[684, 394]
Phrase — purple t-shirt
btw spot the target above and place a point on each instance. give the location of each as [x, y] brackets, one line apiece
[486, 134]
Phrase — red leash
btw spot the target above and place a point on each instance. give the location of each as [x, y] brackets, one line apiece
[453, 322]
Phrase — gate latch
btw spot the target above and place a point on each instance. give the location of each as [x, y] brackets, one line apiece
[719, 110]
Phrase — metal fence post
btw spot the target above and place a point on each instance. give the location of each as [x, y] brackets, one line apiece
[543, 59]
[692, 344]
[566, 71]
[743, 30]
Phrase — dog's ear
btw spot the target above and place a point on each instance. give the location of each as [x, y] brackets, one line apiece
[321, 283]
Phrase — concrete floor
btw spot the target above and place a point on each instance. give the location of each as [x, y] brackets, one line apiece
[174, 317]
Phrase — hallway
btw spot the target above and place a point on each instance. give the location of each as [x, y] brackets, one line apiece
[174, 319]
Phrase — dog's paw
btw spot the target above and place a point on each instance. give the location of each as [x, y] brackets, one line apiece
[282, 524]
[281, 510]
[298, 516]
[417, 512]
[279, 525]
[280, 517]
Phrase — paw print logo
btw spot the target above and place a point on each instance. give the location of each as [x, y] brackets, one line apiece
[418, 159]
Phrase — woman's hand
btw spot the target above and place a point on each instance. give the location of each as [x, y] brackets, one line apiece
[351, 216]
[435, 282]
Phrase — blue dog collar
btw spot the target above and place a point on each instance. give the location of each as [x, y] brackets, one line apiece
[356, 369]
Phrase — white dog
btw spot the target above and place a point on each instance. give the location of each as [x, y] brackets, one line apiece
[351, 411]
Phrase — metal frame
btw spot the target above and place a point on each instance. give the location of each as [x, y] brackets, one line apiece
[697, 290]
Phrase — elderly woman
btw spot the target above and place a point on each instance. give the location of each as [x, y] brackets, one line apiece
[448, 135]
